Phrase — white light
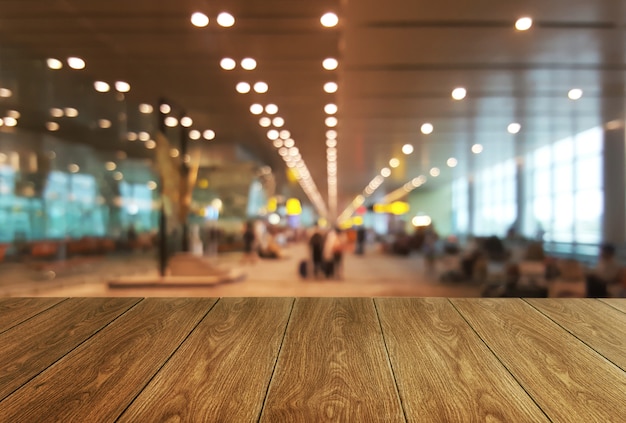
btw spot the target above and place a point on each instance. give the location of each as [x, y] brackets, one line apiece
[330, 63]
[52, 126]
[14, 114]
[174, 152]
[150, 144]
[104, 123]
[54, 63]
[248, 63]
[272, 134]
[146, 108]
[514, 128]
[421, 221]
[152, 185]
[452, 162]
[330, 109]
[118, 176]
[243, 87]
[407, 149]
[329, 20]
[331, 87]
[71, 112]
[194, 134]
[523, 24]
[278, 122]
[171, 121]
[165, 108]
[427, 128]
[227, 63]
[225, 19]
[271, 109]
[56, 112]
[278, 143]
[434, 172]
[76, 63]
[477, 149]
[273, 219]
[73, 168]
[459, 93]
[208, 134]
[289, 143]
[285, 134]
[101, 86]
[283, 151]
[331, 121]
[331, 143]
[111, 166]
[394, 163]
[5, 92]
[294, 151]
[122, 86]
[199, 19]
[265, 122]
[575, 94]
[261, 87]
[385, 172]
[131, 136]
[256, 109]
[331, 134]
[144, 136]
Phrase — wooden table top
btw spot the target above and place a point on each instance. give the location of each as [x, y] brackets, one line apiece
[312, 360]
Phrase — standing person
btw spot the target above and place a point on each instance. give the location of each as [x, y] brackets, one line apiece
[333, 253]
[316, 246]
[249, 244]
[606, 273]
[360, 240]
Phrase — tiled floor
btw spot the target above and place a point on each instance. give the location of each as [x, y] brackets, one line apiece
[373, 274]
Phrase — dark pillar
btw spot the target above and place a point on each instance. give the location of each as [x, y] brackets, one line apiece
[184, 176]
[163, 255]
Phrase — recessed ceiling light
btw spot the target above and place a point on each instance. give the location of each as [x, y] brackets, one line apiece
[385, 172]
[284, 134]
[194, 134]
[331, 143]
[73, 168]
[101, 86]
[71, 112]
[225, 19]
[394, 163]
[122, 86]
[13, 114]
[56, 112]
[329, 20]
[174, 152]
[289, 143]
[331, 134]
[242, 87]
[261, 87]
[171, 121]
[150, 144]
[118, 176]
[111, 166]
[208, 135]
[54, 63]
[52, 126]
[459, 93]
[514, 128]
[5, 93]
[144, 136]
[330, 63]
[452, 162]
[524, 23]
[265, 122]
[434, 172]
[331, 121]
[227, 63]
[165, 108]
[199, 19]
[152, 185]
[76, 63]
[278, 143]
[104, 123]
[256, 109]
[575, 94]
[477, 149]
[330, 109]
[278, 122]
[146, 108]
[248, 63]
[427, 128]
[272, 134]
[271, 109]
[186, 121]
[283, 151]
[331, 87]
[407, 149]
[131, 136]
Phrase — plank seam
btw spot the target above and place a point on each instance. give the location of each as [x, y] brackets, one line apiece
[574, 335]
[34, 315]
[68, 352]
[500, 361]
[280, 349]
[393, 372]
[610, 305]
[167, 360]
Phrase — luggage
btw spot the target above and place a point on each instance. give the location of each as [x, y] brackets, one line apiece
[303, 269]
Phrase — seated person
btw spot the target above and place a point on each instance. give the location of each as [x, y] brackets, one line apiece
[605, 273]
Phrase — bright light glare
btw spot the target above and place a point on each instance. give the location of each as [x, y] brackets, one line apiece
[330, 109]
[434, 172]
[514, 128]
[225, 19]
[146, 108]
[271, 109]
[421, 221]
[71, 112]
[76, 63]
[331, 121]
[331, 87]
[477, 149]
[165, 108]
[248, 63]
[122, 86]
[101, 86]
[272, 134]
[243, 87]
[208, 134]
[199, 19]
[54, 63]
[452, 162]
[523, 24]
[330, 63]
[171, 121]
[265, 122]
[329, 20]
[278, 122]
[52, 126]
[459, 93]
[261, 87]
[575, 94]
[407, 149]
[385, 172]
[227, 63]
[394, 163]
[186, 121]
[256, 109]
[427, 128]
[194, 134]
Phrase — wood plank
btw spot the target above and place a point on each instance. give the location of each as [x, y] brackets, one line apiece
[565, 377]
[333, 366]
[221, 372]
[618, 303]
[444, 371]
[598, 325]
[98, 380]
[14, 311]
[29, 348]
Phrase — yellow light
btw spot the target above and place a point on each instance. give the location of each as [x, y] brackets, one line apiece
[357, 221]
[272, 204]
[399, 208]
[203, 183]
[380, 208]
[293, 207]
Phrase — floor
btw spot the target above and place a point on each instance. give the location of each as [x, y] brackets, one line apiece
[372, 274]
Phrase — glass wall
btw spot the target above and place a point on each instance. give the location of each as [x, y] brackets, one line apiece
[495, 192]
[460, 206]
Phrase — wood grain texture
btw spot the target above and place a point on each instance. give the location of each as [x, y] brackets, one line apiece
[221, 372]
[333, 366]
[96, 381]
[444, 371]
[14, 311]
[29, 348]
[566, 378]
[595, 323]
[618, 303]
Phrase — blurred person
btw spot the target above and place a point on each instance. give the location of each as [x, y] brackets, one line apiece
[249, 244]
[316, 247]
[360, 240]
[605, 273]
[333, 253]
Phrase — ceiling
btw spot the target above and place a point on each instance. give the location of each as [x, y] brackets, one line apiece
[398, 63]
